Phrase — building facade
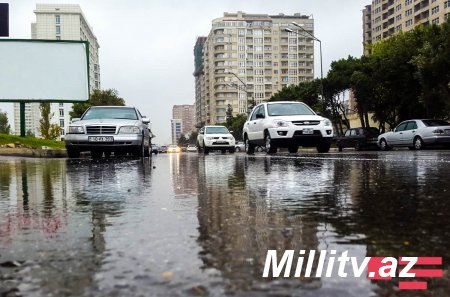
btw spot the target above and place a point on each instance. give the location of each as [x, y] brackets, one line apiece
[60, 22]
[186, 114]
[200, 102]
[176, 128]
[249, 57]
[390, 16]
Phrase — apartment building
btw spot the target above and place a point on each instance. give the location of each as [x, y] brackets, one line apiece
[200, 102]
[60, 22]
[386, 17]
[183, 120]
[249, 57]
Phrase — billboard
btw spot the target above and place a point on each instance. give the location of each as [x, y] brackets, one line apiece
[44, 70]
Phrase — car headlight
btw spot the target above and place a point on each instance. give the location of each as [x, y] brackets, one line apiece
[129, 130]
[280, 123]
[76, 130]
[327, 123]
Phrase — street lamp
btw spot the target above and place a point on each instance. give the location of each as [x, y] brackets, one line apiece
[320, 48]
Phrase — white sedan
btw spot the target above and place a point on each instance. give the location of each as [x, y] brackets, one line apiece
[416, 134]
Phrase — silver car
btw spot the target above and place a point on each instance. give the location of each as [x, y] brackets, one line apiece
[106, 129]
[416, 134]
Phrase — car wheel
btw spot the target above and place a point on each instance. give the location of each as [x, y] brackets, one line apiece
[249, 148]
[323, 147]
[418, 143]
[96, 154]
[357, 146]
[270, 148]
[147, 151]
[139, 152]
[383, 145]
[73, 153]
[293, 149]
[237, 149]
[205, 149]
[232, 150]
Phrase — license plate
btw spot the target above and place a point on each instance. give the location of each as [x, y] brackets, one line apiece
[220, 142]
[308, 131]
[101, 139]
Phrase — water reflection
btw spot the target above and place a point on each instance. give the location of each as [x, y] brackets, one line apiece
[53, 214]
[367, 206]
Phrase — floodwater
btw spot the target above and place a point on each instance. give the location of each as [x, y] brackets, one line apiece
[190, 225]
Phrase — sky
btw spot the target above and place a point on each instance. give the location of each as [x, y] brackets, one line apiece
[146, 46]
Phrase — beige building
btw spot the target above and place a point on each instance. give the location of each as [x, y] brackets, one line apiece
[250, 57]
[183, 121]
[60, 22]
[386, 17]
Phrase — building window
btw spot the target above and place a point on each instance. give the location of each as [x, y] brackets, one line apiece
[61, 123]
[435, 10]
[447, 4]
[58, 37]
[61, 112]
[446, 16]
[408, 12]
[408, 2]
[435, 21]
[408, 23]
[57, 19]
[398, 18]
[58, 29]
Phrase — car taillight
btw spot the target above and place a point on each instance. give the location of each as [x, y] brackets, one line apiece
[438, 131]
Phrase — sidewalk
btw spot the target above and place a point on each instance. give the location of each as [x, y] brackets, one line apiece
[33, 153]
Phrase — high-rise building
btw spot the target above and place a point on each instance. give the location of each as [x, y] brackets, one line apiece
[200, 102]
[185, 113]
[390, 16]
[60, 22]
[249, 57]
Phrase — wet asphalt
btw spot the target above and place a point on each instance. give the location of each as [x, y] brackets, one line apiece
[194, 225]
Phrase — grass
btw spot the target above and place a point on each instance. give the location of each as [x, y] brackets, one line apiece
[31, 142]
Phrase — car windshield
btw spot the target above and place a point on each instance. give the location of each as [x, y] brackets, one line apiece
[433, 123]
[288, 109]
[110, 113]
[216, 130]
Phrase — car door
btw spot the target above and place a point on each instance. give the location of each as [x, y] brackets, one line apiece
[201, 134]
[251, 124]
[396, 137]
[409, 133]
[260, 120]
[345, 140]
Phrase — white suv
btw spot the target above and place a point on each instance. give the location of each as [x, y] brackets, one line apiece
[286, 124]
[215, 138]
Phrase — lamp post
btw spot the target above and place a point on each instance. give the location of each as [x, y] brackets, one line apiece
[320, 49]
[239, 88]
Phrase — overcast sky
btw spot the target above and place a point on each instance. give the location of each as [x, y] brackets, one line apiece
[146, 46]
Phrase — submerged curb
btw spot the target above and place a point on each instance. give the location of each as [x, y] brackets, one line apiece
[33, 153]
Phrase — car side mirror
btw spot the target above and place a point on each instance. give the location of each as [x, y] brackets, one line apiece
[259, 116]
[145, 120]
[201, 132]
[75, 120]
[319, 113]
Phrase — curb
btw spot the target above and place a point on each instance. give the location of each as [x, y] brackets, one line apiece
[33, 153]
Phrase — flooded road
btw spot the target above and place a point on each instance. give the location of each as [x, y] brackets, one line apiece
[190, 225]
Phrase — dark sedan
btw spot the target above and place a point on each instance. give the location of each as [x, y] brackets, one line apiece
[358, 138]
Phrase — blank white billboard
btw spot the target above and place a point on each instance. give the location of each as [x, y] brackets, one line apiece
[33, 70]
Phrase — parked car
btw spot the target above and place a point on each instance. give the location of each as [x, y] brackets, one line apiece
[239, 147]
[215, 138]
[191, 148]
[286, 124]
[358, 138]
[163, 149]
[173, 148]
[107, 129]
[155, 149]
[416, 134]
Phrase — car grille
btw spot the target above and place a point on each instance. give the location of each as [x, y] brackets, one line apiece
[306, 123]
[101, 129]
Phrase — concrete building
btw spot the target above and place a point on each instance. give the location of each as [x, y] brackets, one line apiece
[250, 57]
[60, 22]
[390, 16]
[176, 128]
[185, 113]
[200, 102]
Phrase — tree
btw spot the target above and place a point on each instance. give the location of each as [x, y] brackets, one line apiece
[109, 97]
[193, 138]
[47, 129]
[5, 128]
[182, 141]
[236, 124]
[307, 92]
